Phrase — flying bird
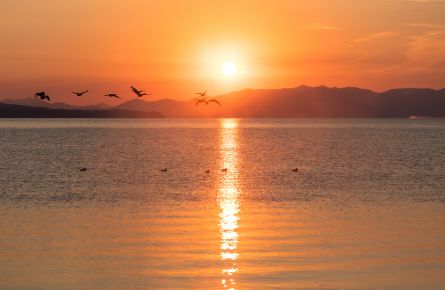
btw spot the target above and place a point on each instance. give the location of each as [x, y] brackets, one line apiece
[206, 101]
[42, 96]
[139, 93]
[81, 93]
[112, 95]
[202, 94]
[214, 101]
[198, 101]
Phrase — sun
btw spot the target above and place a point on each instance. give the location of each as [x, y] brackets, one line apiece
[229, 69]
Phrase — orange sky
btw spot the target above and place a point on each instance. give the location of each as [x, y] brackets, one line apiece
[174, 48]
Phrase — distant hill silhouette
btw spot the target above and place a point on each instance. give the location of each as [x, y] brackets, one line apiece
[19, 111]
[299, 102]
[170, 107]
[306, 102]
[35, 102]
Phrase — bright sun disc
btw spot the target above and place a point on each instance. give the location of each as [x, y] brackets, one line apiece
[229, 69]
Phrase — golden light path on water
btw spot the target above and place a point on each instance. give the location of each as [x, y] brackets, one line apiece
[228, 199]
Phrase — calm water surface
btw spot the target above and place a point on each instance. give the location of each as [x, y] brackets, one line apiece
[366, 210]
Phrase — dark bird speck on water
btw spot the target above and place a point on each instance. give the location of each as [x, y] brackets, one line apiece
[163, 170]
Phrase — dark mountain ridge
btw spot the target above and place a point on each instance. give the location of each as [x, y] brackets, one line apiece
[299, 102]
[306, 102]
[19, 111]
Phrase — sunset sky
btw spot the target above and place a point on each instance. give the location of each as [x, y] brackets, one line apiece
[174, 48]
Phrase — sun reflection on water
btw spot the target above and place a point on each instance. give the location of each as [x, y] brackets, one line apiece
[228, 200]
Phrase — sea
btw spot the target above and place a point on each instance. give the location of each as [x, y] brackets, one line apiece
[236, 204]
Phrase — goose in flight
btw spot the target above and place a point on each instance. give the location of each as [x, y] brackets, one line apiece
[198, 101]
[81, 93]
[206, 101]
[112, 95]
[139, 93]
[214, 101]
[202, 94]
[42, 96]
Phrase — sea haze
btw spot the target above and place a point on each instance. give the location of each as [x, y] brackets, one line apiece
[366, 209]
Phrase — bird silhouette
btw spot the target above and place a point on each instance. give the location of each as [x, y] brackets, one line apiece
[81, 93]
[214, 101]
[163, 170]
[202, 94]
[207, 171]
[112, 95]
[198, 101]
[42, 96]
[139, 93]
[224, 170]
[83, 169]
[295, 170]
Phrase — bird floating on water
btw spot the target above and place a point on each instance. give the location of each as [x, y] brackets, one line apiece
[224, 170]
[163, 170]
[139, 93]
[112, 95]
[42, 96]
[83, 169]
[207, 171]
[295, 170]
[81, 93]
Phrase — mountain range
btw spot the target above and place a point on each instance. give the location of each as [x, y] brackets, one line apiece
[299, 102]
[21, 111]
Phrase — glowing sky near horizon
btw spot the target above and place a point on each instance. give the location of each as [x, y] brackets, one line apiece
[174, 48]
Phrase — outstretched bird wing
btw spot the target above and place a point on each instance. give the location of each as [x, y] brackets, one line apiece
[135, 90]
[215, 101]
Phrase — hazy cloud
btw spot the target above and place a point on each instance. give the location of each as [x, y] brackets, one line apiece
[318, 26]
[431, 26]
[374, 36]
